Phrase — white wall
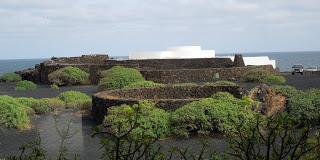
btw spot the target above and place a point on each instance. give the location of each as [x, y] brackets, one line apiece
[256, 61]
[175, 52]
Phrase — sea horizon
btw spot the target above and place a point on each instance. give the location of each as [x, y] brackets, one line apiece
[284, 60]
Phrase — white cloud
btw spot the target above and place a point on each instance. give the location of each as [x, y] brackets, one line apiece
[222, 19]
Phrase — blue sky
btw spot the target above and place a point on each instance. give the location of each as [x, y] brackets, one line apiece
[43, 28]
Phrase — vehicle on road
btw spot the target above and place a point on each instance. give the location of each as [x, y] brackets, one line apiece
[297, 68]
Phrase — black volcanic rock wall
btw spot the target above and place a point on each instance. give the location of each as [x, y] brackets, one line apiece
[199, 75]
[158, 70]
[168, 98]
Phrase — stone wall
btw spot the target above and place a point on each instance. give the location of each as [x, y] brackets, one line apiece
[195, 63]
[168, 98]
[199, 75]
[84, 59]
[147, 65]
[158, 70]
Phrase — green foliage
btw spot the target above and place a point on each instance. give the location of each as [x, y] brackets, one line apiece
[12, 113]
[143, 84]
[274, 137]
[54, 86]
[185, 85]
[75, 99]
[255, 75]
[274, 79]
[151, 121]
[287, 91]
[263, 76]
[10, 77]
[305, 106]
[211, 114]
[118, 77]
[44, 105]
[25, 85]
[224, 83]
[68, 76]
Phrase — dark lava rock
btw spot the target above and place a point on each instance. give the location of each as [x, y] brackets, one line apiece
[271, 102]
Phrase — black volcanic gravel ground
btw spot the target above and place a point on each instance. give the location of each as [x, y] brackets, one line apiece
[44, 91]
[83, 144]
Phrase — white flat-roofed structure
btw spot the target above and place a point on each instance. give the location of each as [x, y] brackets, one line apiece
[179, 52]
[257, 61]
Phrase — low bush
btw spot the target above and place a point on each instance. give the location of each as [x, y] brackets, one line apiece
[68, 76]
[75, 99]
[263, 76]
[222, 83]
[25, 85]
[150, 121]
[185, 84]
[10, 77]
[274, 79]
[118, 77]
[211, 114]
[143, 84]
[305, 106]
[28, 102]
[54, 86]
[44, 105]
[12, 113]
[287, 91]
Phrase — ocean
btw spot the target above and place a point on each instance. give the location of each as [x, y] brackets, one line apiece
[285, 60]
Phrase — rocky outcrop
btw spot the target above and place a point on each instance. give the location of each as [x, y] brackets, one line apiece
[30, 74]
[238, 61]
[271, 102]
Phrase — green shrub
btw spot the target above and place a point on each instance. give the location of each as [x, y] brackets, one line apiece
[211, 114]
[28, 102]
[150, 121]
[263, 76]
[44, 105]
[68, 76]
[25, 85]
[224, 83]
[75, 99]
[118, 77]
[185, 84]
[274, 79]
[287, 91]
[256, 75]
[305, 106]
[220, 83]
[12, 113]
[54, 86]
[10, 77]
[143, 84]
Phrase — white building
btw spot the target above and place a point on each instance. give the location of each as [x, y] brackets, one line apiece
[257, 61]
[196, 52]
[175, 53]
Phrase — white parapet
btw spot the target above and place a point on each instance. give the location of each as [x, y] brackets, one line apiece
[175, 53]
[256, 61]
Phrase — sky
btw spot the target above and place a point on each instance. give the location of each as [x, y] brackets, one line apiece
[46, 28]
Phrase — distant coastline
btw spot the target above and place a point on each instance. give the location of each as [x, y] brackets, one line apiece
[284, 60]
